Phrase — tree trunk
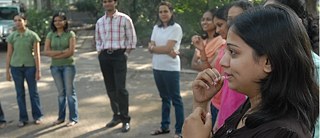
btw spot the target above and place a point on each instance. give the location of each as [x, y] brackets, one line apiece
[312, 7]
[48, 5]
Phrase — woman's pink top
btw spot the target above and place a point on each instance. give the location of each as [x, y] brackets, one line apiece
[211, 50]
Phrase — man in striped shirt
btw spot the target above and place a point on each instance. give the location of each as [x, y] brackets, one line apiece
[115, 37]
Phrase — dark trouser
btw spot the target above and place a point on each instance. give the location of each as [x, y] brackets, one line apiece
[114, 70]
[214, 113]
[1, 115]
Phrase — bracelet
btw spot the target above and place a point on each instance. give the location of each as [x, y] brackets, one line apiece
[151, 49]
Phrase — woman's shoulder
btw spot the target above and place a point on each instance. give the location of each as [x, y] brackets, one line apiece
[176, 25]
[72, 33]
[14, 33]
[156, 27]
[49, 35]
[30, 31]
[280, 128]
[284, 127]
[33, 34]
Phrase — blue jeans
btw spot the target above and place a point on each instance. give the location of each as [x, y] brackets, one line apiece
[64, 79]
[2, 120]
[19, 74]
[168, 84]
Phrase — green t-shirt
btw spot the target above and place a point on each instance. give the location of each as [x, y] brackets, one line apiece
[60, 43]
[23, 48]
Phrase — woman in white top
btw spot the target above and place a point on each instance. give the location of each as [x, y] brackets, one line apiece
[164, 45]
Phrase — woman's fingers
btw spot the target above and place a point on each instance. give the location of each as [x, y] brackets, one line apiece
[210, 76]
[195, 39]
[202, 84]
[217, 75]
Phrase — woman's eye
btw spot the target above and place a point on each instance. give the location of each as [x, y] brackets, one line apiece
[232, 52]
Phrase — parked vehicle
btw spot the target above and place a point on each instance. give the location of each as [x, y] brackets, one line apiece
[8, 9]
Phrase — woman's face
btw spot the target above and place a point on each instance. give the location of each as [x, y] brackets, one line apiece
[234, 12]
[165, 14]
[19, 22]
[59, 23]
[221, 27]
[207, 22]
[241, 69]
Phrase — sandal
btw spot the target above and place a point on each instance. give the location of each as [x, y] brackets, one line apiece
[70, 124]
[38, 122]
[177, 136]
[160, 131]
[22, 124]
[57, 122]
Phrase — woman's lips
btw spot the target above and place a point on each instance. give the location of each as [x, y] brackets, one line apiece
[227, 76]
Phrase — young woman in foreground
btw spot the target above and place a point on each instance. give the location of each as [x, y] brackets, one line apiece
[278, 79]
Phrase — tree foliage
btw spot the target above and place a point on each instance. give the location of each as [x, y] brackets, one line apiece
[94, 7]
[144, 14]
[39, 22]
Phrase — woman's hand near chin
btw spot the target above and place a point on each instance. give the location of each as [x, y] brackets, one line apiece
[206, 85]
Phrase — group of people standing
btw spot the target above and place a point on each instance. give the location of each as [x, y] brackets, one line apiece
[247, 83]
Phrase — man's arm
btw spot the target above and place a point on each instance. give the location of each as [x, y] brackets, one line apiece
[131, 36]
[98, 38]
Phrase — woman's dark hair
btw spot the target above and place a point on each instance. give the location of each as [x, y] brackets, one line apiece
[222, 12]
[290, 89]
[205, 34]
[311, 23]
[63, 16]
[299, 6]
[244, 5]
[169, 5]
[21, 15]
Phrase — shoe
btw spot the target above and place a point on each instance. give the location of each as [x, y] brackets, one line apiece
[3, 124]
[113, 123]
[160, 131]
[125, 127]
[38, 122]
[70, 124]
[21, 124]
[57, 122]
[177, 136]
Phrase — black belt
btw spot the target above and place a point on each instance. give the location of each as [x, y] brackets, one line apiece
[113, 52]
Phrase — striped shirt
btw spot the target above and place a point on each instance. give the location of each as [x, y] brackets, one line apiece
[116, 32]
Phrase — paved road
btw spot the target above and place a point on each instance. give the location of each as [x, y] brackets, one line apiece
[94, 107]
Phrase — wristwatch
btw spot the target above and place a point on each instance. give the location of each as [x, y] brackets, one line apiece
[126, 54]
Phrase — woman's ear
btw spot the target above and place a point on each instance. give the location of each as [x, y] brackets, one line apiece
[267, 66]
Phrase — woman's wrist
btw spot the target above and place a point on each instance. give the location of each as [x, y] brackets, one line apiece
[204, 105]
[203, 59]
[151, 49]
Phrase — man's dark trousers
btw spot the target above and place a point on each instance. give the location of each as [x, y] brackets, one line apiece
[113, 66]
